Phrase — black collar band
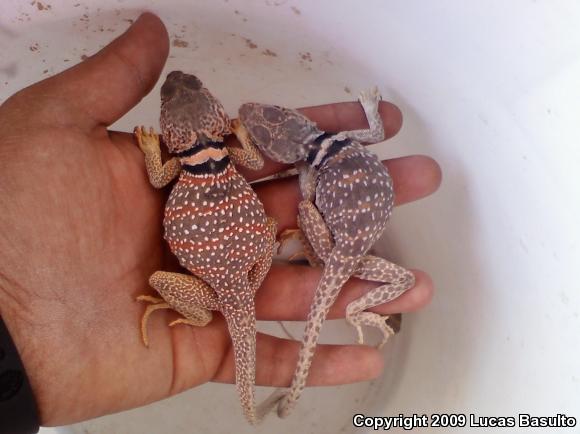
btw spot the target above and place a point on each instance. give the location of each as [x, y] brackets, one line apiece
[210, 167]
[198, 147]
[318, 141]
[332, 150]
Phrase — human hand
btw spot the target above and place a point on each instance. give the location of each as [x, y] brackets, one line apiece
[81, 233]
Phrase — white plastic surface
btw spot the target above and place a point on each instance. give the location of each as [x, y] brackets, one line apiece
[490, 89]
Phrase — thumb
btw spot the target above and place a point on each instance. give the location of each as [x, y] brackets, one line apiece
[108, 84]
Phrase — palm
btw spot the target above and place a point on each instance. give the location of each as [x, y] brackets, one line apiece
[96, 235]
[85, 234]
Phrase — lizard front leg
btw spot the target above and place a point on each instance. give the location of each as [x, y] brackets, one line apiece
[369, 99]
[378, 269]
[188, 295]
[248, 156]
[159, 174]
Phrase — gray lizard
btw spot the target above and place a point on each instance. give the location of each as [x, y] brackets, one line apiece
[347, 199]
[214, 223]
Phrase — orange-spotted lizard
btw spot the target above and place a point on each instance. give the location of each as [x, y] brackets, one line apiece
[214, 223]
[347, 199]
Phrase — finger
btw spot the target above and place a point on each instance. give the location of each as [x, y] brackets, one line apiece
[276, 361]
[414, 177]
[288, 291]
[105, 86]
[336, 117]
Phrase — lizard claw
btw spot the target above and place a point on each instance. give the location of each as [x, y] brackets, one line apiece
[197, 322]
[386, 335]
[372, 320]
[148, 141]
[156, 303]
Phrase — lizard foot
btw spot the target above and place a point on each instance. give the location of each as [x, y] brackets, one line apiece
[370, 98]
[202, 319]
[306, 252]
[287, 235]
[148, 140]
[156, 304]
[370, 319]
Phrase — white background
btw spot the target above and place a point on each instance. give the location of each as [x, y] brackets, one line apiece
[490, 89]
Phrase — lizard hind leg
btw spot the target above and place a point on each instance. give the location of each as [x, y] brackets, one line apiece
[262, 266]
[188, 295]
[397, 280]
[315, 232]
[317, 241]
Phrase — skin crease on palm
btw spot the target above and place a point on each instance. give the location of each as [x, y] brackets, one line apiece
[80, 233]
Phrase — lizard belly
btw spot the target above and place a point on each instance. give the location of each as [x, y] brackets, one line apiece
[354, 194]
[215, 225]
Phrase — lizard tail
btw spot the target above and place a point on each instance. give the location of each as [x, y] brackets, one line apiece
[242, 327]
[337, 270]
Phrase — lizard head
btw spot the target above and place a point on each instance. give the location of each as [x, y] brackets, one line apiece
[176, 81]
[189, 113]
[284, 135]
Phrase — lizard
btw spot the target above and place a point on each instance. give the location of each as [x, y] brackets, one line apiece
[348, 197]
[214, 223]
